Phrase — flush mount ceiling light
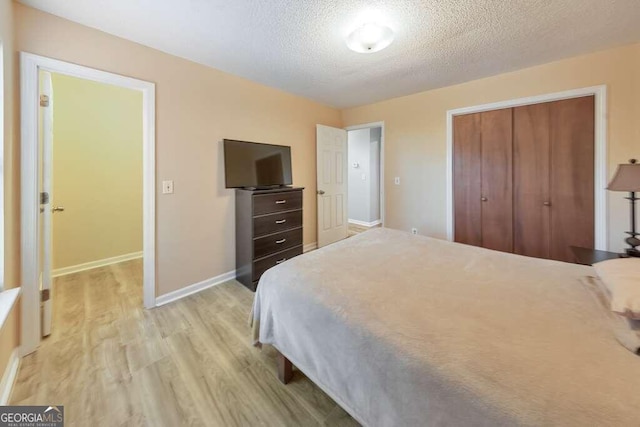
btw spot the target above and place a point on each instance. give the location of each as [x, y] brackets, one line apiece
[370, 38]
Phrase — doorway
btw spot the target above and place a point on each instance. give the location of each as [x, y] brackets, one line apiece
[365, 180]
[88, 190]
[333, 169]
[92, 180]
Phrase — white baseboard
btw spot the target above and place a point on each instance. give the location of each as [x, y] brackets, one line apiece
[9, 376]
[195, 288]
[208, 283]
[310, 247]
[364, 223]
[95, 264]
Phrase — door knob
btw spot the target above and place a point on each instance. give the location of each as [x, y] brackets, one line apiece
[484, 199]
[546, 203]
[320, 192]
[57, 209]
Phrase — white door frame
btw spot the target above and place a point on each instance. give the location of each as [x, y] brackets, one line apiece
[600, 163]
[30, 65]
[46, 161]
[370, 126]
[3, 143]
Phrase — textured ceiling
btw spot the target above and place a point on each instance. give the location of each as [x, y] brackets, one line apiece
[299, 45]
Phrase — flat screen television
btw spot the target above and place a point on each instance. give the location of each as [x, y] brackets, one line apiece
[256, 165]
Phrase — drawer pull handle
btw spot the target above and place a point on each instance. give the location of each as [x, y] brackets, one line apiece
[280, 261]
[279, 202]
[281, 241]
[281, 221]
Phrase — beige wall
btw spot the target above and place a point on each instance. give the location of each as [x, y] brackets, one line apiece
[415, 125]
[196, 107]
[9, 336]
[97, 171]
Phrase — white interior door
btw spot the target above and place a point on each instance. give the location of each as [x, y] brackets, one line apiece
[45, 148]
[331, 158]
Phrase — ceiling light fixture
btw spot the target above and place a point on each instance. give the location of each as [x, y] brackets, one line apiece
[370, 38]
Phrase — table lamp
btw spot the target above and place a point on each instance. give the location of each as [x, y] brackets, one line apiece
[627, 178]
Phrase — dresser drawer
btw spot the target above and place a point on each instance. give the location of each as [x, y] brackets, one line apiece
[274, 223]
[273, 243]
[277, 202]
[264, 264]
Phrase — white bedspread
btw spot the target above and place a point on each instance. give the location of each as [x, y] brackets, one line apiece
[404, 330]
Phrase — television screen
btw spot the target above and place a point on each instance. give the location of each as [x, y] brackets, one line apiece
[250, 164]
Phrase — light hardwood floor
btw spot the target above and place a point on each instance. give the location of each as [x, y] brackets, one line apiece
[356, 229]
[191, 362]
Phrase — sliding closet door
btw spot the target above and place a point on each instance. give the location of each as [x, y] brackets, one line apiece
[572, 177]
[531, 175]
[497, 179]
[466, 179]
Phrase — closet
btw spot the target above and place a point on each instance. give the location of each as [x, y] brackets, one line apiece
[523, 178]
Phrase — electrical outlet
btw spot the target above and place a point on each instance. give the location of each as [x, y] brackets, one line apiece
[414, 230]
[396, 180]
[167, 187]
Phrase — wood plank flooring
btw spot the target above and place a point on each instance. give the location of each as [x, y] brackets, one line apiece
[357, 229]
[191, 362]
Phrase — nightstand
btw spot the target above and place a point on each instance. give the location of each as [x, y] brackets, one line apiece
[586, 256]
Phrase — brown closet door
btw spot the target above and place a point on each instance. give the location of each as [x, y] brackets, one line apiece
[466, 179]
[572, 178]
[497, 179]
[531, 174]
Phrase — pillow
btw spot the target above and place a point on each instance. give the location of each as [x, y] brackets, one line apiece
[626, 331]
[622, 279]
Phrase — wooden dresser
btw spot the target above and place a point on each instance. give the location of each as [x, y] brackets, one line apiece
[268, 231]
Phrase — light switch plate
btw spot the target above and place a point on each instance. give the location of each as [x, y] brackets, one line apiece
[167, 187]
[396, 180]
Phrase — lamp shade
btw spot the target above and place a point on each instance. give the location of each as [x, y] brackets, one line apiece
[627, 178]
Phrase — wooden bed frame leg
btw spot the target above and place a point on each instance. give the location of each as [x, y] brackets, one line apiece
[285, 369]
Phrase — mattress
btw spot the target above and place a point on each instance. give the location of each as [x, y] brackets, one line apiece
[407, 330]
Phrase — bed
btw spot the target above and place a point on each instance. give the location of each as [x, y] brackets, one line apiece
[407, 330]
